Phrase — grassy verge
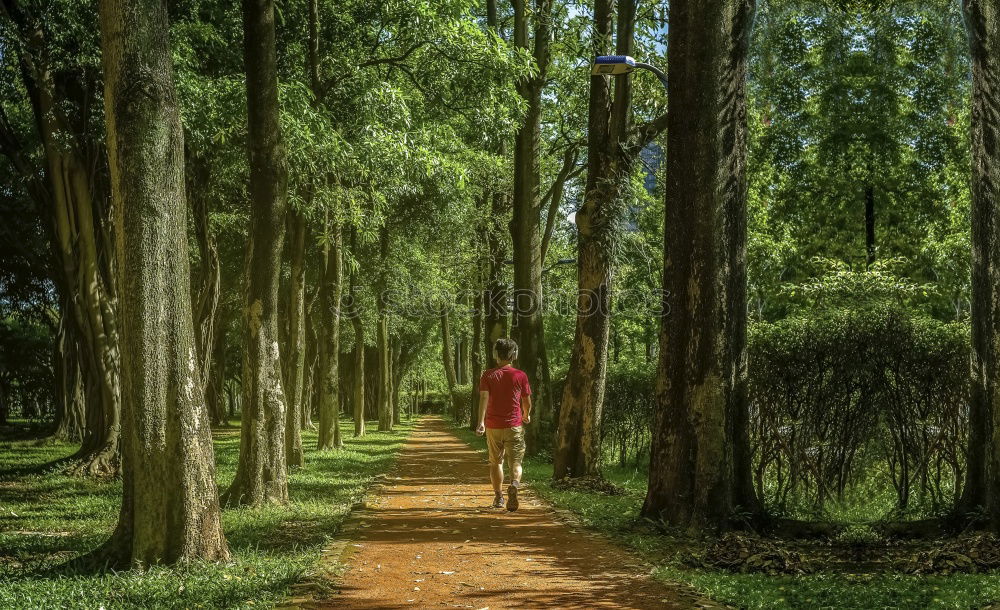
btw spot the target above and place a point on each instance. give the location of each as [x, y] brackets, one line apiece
[47, 518]
[616, 516]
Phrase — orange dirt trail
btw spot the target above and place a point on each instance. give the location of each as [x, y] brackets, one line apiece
[431, 540]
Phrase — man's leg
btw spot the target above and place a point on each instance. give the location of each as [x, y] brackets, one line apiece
[496, 476]
[515, 449]
[496, 449]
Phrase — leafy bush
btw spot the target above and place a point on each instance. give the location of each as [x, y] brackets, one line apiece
[461, 401]
[628, 413]
[848, 395]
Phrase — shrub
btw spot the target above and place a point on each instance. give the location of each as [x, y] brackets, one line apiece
[461, 401]
[853, 393]
[628, 413]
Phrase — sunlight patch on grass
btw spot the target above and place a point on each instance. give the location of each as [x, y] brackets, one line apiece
[47, 518]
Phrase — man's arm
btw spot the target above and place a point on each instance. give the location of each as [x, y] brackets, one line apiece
[484, 399]
[526, 408]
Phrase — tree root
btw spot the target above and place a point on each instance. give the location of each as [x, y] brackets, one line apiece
[103, 463]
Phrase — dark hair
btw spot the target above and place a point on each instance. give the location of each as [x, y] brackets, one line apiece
[505, 349]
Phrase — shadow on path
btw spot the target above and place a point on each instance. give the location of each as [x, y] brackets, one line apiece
[431, 540]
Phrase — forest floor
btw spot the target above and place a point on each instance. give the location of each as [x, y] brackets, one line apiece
[48, 518]
[431, 539]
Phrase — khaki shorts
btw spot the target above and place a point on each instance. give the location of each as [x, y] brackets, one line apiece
[506, 442]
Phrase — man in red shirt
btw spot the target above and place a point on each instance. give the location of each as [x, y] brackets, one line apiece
[504, 407]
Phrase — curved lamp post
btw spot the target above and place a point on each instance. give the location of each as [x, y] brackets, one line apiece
[614, 65]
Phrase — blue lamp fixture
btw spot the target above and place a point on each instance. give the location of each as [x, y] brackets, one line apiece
[613, 65]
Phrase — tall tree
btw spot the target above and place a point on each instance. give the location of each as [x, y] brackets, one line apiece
[262, 472]
[383, 388]
[74, 198]
[614, 144]
[329, 349]
[496, 207]
[982, 486]
[170, 507]
[358, 376]
[208, 281]
[295, 358]
[533, 33]
[700, 460]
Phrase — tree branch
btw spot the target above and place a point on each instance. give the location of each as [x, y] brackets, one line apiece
[393, 60]
[645, 133]
[554, 195]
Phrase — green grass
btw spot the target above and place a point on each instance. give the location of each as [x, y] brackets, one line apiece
[617, 516]
[47, 518]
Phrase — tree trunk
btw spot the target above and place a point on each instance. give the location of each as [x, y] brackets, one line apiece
[982, 484]
[75, 202]
[578, 448]
[70, 407]
[384, 382]
[313, 330]
[329, 350]
[215, 388]
[170, 508]
[358, 380]
[495, 298]
[358, 376]
[4, 402]
[525, 229]
[206, 299]
[700, 467]
[448, 358]
[262, 472]
[870, 224]
[477, 362]
[394, 352]
[447, 354]
[465, 356]
[295, 359]
[613, 147]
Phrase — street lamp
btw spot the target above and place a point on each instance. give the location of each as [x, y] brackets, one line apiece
[614, 65]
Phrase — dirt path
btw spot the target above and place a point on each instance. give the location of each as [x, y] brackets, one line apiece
[431, 540]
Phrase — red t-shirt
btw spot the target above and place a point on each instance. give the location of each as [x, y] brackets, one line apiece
[506, 385]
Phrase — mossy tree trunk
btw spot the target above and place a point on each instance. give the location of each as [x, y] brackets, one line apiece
[614, 144]
[76, 204]
[981, 494]
[262, 472]
[496, 208]
[383, 385]
[170, 508]
[700, 461]
[295, 358]
[525, 230]
[329, 349]
[208, 280]
[358, 364]
[477, 361]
